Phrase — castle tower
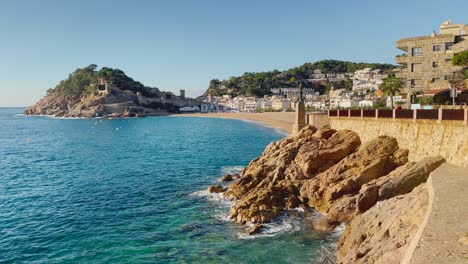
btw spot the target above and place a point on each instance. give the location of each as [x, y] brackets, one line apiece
[102, 88]
[182, 94]
[299, 118]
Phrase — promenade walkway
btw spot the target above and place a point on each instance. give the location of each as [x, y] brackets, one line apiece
[447, 221]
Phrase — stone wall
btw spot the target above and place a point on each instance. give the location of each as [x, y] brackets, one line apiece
[318, 120]
[423, 138]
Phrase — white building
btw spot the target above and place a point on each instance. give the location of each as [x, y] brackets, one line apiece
[366, 103]
[347, 103]
[281, 104]
[251, 104]
[189, 109]
[396, 99]
[265, 103]
[367, 80]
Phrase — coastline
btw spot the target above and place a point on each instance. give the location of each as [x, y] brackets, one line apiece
[281, 120]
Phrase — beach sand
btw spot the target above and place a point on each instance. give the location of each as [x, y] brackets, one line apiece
[282, 120]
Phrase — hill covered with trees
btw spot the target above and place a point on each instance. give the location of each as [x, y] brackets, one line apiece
[261, 83]
[81, 81]
[78, 96]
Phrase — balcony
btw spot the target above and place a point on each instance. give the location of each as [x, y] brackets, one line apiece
[402, 59]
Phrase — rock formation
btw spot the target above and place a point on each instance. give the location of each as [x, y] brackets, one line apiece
[368, 186]
[216, 189]
[383, 233]
[107, 92]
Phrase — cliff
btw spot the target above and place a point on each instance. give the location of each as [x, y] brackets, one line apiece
[372, 187]
[107, 92]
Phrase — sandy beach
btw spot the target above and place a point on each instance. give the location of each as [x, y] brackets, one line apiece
[282, 120]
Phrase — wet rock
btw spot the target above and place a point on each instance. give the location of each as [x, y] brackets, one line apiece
[270, 183]
[255, 229]
[230, 177]
[215, 189]
[324, 224]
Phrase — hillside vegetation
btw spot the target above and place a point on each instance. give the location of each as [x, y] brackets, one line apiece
[80, 82]
[261, 83]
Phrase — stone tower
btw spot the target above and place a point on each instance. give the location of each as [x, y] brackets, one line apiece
[182, 94]
[299, 119]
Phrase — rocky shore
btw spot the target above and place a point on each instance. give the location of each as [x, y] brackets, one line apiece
[371, 187]
[121, 102]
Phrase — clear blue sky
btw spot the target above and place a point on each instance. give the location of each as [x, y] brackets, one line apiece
[175, 44]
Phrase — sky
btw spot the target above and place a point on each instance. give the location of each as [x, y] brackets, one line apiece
[183, 44]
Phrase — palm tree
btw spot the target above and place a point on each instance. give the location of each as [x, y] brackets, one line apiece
[391, 86]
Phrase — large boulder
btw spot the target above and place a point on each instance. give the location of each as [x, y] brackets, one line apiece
[400, 181]
[215, 189]
[383, 233]
[333, 190]
[271, 182]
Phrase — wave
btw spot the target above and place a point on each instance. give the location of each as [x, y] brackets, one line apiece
[231, 169]
[287, 222]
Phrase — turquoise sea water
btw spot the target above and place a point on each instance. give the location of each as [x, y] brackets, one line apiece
[131, 191]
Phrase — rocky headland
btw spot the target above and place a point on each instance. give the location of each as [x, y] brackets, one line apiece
[107, 92]
[371, 187]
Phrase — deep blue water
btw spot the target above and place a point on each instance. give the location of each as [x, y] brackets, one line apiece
[130, 191]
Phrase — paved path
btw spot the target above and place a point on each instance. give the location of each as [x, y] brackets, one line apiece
[447, 221]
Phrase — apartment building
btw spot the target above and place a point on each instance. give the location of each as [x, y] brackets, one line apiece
[427, 59]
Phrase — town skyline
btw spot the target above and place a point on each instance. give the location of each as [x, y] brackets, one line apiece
[173, 46]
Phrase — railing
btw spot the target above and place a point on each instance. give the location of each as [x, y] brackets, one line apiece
[404, 113]
[368, 113]
[355, 113]
[428, 114]
[453, 114]
[385, 113]
[415, 114]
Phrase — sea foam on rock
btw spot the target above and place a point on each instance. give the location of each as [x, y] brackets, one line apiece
[333, 173]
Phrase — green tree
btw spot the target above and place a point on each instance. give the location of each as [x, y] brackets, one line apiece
[391, 86]
[461, 59]
[292, 80]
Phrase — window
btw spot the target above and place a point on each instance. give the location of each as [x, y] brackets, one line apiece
[446, 77]
[448, 45]
[435, 64]
[435, 80]
[436, 48]
[416, 51]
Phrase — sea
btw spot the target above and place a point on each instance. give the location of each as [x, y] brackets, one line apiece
[134, 191]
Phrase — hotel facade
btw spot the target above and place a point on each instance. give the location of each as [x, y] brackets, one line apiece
[427, 60]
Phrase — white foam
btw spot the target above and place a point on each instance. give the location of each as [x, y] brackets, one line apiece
[283, 224]
[231, 169]
[217, 198]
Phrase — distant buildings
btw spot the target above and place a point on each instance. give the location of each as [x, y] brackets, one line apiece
[427, 59]
[367, 80]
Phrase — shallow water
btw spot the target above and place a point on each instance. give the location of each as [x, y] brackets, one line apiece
[131, 191]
